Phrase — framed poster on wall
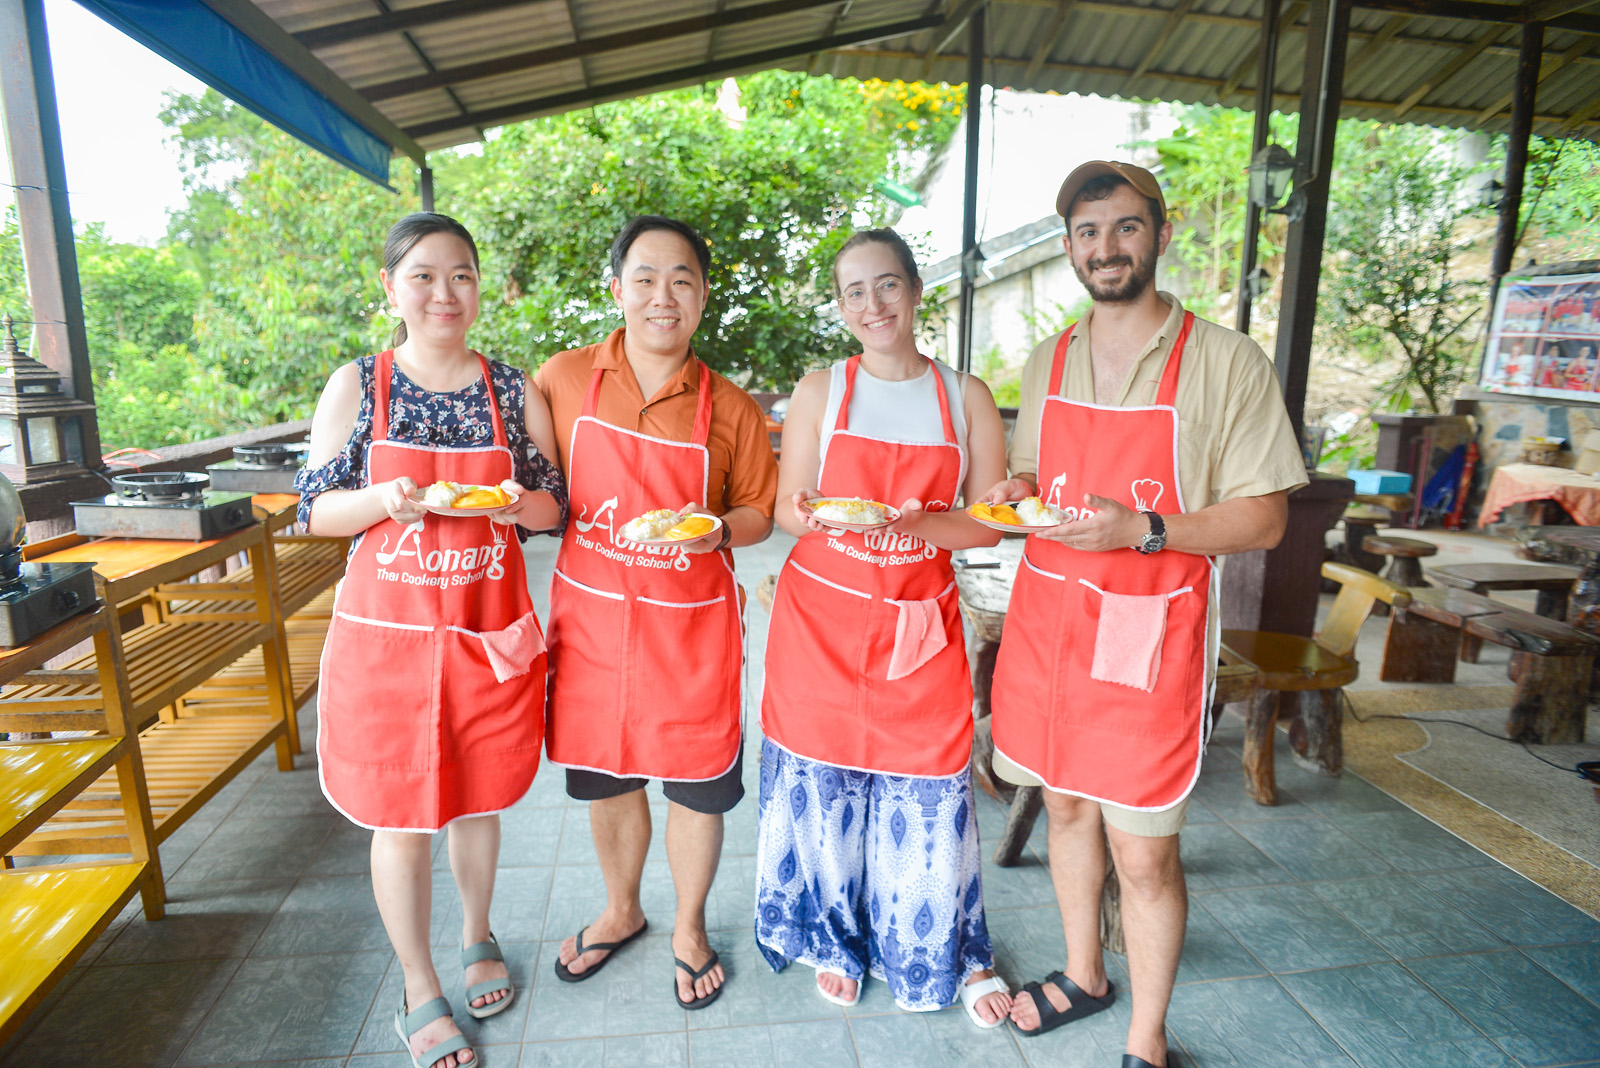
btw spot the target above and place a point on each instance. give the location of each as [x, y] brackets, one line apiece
[1544, 339]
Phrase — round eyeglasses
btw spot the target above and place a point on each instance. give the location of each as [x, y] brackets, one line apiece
[889, 291]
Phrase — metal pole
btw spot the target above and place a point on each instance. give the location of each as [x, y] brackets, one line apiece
[1522, 101]
[970, 256]
[1320, 97]
[425, 188]
[1265, 79]
[39, 172]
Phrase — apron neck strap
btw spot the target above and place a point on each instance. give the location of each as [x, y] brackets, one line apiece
[854, 363]
[383, 371]
[1166, 395]
[702, 413]
[1059, 363]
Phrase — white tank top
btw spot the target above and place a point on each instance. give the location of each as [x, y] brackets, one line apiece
[898, 411]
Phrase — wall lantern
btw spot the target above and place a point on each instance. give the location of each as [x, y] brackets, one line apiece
[1272, 171]
[34, 416]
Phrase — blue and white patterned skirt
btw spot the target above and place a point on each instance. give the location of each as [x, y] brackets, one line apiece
[859, 873]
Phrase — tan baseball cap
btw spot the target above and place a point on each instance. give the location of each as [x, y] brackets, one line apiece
[1136, 176]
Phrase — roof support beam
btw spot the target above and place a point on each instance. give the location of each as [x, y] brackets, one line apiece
[1168, 28]
[1578, 49]
[1589, 114]
[254, 23]
[1477, 11]
[667, 79]
[1526, 92]
[1260, 134]
[1047, 40]
[1545, 10]
[412, 17]
[1488, 36]
[578, 48]
[948, 31]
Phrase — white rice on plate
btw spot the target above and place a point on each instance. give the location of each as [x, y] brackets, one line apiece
[652, 525]
[1035, 513]
[849, 510]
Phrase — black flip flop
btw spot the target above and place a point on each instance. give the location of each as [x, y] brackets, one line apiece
[695, 977]
[1081, 1005]
[567, 976]
[1130, 1061]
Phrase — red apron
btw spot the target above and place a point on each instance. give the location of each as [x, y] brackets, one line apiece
[866, 667]
[646, 643]
[431, 699]
[1077, 733]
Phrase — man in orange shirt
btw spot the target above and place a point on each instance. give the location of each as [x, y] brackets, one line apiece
[646, 641]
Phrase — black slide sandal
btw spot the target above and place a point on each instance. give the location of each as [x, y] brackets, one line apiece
[1081, 1005]
[568, 976]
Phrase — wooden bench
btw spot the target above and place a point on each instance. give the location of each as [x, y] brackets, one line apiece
[51, 913]
[1551, 661]
[187, 757]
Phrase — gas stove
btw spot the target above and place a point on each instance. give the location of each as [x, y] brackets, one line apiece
[269, 468]
[35, 597]
[172, 505]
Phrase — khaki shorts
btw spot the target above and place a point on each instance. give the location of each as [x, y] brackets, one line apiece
[1128, 820]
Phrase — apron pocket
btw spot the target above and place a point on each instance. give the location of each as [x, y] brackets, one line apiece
[380, 693]
[817, 648]
[511, 651]
[586, 633]
[1129, 636]
[685, 660]
[483, 719]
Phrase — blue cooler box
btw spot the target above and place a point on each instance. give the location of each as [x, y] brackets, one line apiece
[1379, 481]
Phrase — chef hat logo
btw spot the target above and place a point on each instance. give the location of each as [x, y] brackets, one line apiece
[1146, 492]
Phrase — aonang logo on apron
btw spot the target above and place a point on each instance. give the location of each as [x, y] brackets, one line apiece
[614, 547]
[885, 549]
[440, 567]
[1145, 492]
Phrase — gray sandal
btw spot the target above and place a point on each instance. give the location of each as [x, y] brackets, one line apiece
[489, 950]
[407, 1024]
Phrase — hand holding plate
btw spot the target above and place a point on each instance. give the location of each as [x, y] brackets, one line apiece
[396, 497]
[1110, 525]
[1007, 492]
[800, 497]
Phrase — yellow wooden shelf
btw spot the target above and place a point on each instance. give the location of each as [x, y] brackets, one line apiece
[185, 763]
[37, 778]
[49, 915]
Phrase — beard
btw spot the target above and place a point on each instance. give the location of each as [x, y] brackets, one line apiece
[1140, 277]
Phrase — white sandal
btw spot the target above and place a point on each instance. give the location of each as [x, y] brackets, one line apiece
[971, 993]
[835, 999]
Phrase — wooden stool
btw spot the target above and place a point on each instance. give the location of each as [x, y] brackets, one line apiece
[1552, 581]
[1405, 555]
[1304, 676]
[1360, 523]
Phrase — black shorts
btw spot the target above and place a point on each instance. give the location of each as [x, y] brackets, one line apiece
[712, 797]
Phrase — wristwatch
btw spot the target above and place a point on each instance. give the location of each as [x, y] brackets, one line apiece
[727, 536]
[1156, 539]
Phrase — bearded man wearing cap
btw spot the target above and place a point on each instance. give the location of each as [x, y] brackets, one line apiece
[1164, 439]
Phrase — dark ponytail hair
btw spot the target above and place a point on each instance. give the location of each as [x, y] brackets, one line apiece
[403, 237]
[882, 236]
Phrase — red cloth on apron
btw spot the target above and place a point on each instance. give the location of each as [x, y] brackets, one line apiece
[1076, 733]
[646, 643]
[414, 728]
[828, 696]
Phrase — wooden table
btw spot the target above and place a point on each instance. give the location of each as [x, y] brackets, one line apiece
[1552, 582]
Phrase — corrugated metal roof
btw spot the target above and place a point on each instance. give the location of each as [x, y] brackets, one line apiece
[487, 62]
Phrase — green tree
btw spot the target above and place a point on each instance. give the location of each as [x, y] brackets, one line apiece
[774, 196]
[1392, 284]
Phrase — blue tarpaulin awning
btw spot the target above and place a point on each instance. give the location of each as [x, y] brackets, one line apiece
[194, 37]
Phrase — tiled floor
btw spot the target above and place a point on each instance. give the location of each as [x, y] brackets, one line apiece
[1338, 928]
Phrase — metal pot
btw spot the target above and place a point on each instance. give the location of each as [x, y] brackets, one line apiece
[155, 486]
[270, 454]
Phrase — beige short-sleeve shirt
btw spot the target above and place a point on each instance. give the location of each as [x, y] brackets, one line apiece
[1234, 434]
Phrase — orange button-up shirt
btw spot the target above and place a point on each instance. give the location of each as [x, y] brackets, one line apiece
[743, 468]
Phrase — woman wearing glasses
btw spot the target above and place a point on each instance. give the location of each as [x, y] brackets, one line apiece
[868, 857]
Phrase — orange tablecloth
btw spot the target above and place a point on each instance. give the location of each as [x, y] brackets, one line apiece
[1514, 483]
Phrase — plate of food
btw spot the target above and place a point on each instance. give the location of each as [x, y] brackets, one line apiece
[849, 513]
[663, 526]
[1026, 516]
[462, 499]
